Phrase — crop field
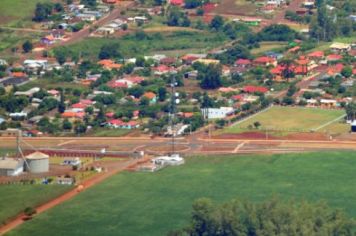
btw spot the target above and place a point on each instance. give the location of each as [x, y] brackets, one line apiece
[130, 45]
[154, 203]
[288, 119]
[16, 13]
[15, 198]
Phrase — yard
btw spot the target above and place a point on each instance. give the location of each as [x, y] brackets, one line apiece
[17, 13]
[294, 119]
[154, 203]
[15, 198]
[236, 7]
[106, 132]
[268, 46]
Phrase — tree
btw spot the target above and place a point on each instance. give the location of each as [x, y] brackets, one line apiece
[108, 51]
[88, 3]
[257, 124]
[175, 17]
[277, 33]
[189, 4]
[60, 57]
[67, 125]
[347, 71]
[271, 217]
[79, 127]
[217, 22]
[210, 77]
[27, 46]
[30, 211]
[43, 11]
[144, 101]
[162, 94]
[61, 104]
[351, 111]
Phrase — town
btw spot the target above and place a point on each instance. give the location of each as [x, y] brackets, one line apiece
[103, 93]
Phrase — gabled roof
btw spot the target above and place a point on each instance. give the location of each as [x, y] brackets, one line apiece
[316, 54]
[242, 62]
[37, 155]
[149, 95]
[253, 89]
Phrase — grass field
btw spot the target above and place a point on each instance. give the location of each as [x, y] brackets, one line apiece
[154, 203]
[289, 119]
[15, 198]
[268, 46]
[131, 46]
[17, 13]
[103, 132]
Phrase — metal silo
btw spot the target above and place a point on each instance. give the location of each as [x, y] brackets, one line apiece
[37, 162]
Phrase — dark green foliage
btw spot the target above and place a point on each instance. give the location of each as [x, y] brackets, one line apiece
[272, 217]
[277, 33]
[189, 4]
[233, 53]
[210, 76]
[43, 11]
[109, 51]
[27, 46]
[217, 22]
[175, 17]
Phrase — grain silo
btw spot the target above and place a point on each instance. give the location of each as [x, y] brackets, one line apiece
[37, 162]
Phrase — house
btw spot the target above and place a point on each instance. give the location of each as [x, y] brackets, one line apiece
[53, 92]
[163, 69]
[48, 40]
[217, 113]
[353, 18]
[3, 62]
[254, 89]
[340, 47]
[353, 126]
[35, 64]
[18, 115]
[265, 61]
[105, 30]
[328, 103]
[28, 93]
[14, 81]
[334, 57]
[109, 64]
[168, 61]
[151, 96]
[110, 1]
[11, 166]
[207, 61]
[250, 21]
[86, 17]
[188, 59]
[176, 2]
[316, 55]
[117, 123]
[73, 115]
[243, 62]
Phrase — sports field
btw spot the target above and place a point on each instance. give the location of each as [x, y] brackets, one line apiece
[15, 198]
[154, 203]
[296, 119]
[17, 11]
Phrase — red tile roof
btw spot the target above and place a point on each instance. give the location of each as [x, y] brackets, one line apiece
[243, 62]
[253, 89]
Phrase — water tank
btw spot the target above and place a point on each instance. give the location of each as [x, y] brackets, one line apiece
[37, 162]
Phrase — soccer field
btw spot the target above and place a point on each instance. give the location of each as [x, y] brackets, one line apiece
[296, 119]
[154, 203]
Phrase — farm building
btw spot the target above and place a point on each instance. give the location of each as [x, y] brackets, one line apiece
[11, 166]
[37, 162]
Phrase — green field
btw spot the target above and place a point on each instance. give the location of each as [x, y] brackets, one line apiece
[132, 46]
[15, 198]
[290, 119]
[104, 132]
[17, 12]
[154, 203]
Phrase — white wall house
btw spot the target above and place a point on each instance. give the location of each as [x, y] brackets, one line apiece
[216, 113]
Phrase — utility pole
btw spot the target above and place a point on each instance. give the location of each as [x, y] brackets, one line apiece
[174, 101]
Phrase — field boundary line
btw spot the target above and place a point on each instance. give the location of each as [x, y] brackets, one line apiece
[251, 116]
[329, 122]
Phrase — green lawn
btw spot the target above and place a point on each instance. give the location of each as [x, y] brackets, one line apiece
[15, 198]
[154, 203]
[268, 46]
[17, 12]
[131, 46]
[289, 119]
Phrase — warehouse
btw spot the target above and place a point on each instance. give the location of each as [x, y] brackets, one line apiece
[11, 166]
[37, 162]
